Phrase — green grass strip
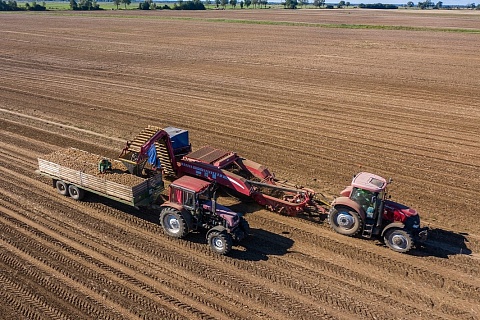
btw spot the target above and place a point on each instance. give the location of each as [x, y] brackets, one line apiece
[282, 23]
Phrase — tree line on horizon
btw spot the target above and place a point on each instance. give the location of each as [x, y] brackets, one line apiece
[11, 5]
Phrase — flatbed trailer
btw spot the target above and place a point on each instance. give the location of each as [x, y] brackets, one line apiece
[143, 192]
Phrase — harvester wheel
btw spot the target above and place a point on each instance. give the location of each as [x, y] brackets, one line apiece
[220, 242]
[398, 240]
[173, 223]
[75, 192]
[345, 221]
[62, 187]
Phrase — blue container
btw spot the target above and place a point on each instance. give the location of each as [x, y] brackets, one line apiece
[178, 136]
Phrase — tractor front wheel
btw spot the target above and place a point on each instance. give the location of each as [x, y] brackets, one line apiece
[220, 242]
[173, 223]
[345, 221]
[398, 240]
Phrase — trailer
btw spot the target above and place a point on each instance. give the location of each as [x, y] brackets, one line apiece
[191, 204]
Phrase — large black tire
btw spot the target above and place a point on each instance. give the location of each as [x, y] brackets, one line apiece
[220, 242]
[75, 192]
[173, 223]
[398, 240]
[62, 187]
[241, 232]
[244, 226]
[345, 221]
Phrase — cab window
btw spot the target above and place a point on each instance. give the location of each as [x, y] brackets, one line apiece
[364, 198]
[189, 199]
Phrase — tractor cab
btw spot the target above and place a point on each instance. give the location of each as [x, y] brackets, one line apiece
[189, 192]
[368, 190]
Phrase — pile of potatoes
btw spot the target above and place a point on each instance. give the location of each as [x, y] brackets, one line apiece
[88, 163]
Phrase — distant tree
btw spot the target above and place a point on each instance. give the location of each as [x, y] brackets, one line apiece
[36, 7]
[128, 2]
[478, 7]
[241, 4]
[347, 4]
[223, 3]
[248, 3]
[291, 4]
[73, 5]
[233, 3]
[410, 4]
[425, 5]
[217, 3]
[190, 5]
[319, 3]
[11, 5]
[116, 2]
[303, 3]
[341, 4]
[145, 5]
[439, 5]
[254, 3]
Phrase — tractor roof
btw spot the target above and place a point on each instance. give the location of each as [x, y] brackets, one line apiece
[369, 181]
[191, 183]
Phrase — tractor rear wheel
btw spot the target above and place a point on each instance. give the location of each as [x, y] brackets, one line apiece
[220, 242]
[345, 221]
[398, 240]
[75, 192]
[62, 187]
[173, 223]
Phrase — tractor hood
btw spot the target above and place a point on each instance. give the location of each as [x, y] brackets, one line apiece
[390, 205]
[398, 212]
[228, 215]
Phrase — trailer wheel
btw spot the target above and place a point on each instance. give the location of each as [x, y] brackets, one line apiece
[62, 187]
[220, 242]
[173, 223]
[345, 221]
[75, 192]
[398, 240]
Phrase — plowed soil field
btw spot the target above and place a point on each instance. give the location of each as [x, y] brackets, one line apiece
[314, 103]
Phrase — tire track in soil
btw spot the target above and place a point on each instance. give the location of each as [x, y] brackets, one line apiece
[139, 304]
[346, 120]
[202, 246]
[357, 310]
[421, 272]
[29, 304]
[242, 283]
[129, 260]
[277, 271]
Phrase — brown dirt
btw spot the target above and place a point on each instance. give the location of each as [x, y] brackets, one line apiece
[313, 104]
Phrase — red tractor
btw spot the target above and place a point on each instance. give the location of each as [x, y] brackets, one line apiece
[192, 206]
[363, 209]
